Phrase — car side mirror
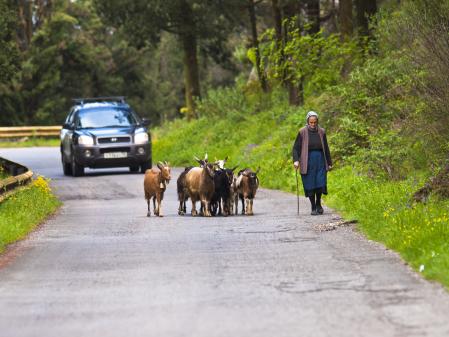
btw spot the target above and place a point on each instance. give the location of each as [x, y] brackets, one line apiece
[68, 126]
[146, 122]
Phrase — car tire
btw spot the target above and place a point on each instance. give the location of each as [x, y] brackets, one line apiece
[134, 168]
[145, 166]
[77, 169]
[66, 167]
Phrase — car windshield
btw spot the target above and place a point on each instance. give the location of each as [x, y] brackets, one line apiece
[102, 118]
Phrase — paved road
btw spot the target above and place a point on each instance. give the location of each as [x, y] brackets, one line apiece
[102, 268]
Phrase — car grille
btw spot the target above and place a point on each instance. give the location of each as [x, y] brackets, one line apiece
[115, 149]
[113, 140]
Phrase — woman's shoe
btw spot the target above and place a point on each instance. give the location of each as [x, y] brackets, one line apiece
[319, 210]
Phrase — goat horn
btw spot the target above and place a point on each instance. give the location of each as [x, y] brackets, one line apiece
[205, 157]
[226, 159]
[196, 158]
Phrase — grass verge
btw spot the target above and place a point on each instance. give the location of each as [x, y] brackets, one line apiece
[31, 142]
[383, 209]
[24, 210]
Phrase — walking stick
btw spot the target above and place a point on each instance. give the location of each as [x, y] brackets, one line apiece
[297, 191]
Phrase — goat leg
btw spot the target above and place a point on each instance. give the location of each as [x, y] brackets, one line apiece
[236, 204]
[154, 205]
[148, 207]
[194, 212]
[250, 206]
[159, 201]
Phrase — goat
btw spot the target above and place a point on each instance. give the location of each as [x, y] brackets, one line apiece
[154, 184]
[223, 180]
[182, 192]
[181, 186]
[200, 186]
[247, 184]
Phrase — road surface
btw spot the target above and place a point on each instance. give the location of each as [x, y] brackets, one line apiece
[100, 267]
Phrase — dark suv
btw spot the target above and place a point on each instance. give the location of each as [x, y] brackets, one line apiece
[104, 132]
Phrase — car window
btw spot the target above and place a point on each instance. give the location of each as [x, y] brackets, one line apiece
[69, 119]
[100, 118]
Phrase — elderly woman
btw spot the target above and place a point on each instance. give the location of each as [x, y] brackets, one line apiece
[312, 156]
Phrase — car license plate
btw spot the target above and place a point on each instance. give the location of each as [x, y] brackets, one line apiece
[112, 155]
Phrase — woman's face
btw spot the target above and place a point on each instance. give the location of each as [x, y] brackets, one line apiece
[313, 122]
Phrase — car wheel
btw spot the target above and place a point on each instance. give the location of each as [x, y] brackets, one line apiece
[77, 169]
[134, 168]
[145, 166]
[66, 167]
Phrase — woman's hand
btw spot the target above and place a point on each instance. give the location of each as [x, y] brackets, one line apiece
[296, 165]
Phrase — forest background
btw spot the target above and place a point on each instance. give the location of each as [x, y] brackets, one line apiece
[236, 78]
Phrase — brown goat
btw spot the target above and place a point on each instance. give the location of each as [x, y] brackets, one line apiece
[154, 184]
[200, 186]
[247, 185]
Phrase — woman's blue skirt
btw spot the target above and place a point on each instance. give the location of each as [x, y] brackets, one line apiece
[315, 181]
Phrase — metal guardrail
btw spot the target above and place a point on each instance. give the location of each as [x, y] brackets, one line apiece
[19, 176]
[29, 131]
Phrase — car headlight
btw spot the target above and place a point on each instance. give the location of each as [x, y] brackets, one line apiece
[85, 140]
[141, 138]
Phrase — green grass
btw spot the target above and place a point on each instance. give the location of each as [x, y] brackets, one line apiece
[24, 210]
[32, 142]
[419, 233]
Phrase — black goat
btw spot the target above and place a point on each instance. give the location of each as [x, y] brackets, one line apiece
[221, 199]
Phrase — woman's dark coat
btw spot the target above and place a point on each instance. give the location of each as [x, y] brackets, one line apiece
[301, 148]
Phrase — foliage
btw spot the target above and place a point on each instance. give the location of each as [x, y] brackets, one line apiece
[372, 116]
[9, 51]
[24, 210]
[316, 60]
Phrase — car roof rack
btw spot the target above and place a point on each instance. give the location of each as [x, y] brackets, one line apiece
[119, 99]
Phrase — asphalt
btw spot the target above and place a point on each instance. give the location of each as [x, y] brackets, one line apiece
[100, 267]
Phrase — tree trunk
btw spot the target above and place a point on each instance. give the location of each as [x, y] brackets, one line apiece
[28, 13]
[255, 44]
[277, 16]
[295, 91]
[312, 9]
[191, 75]
[190, 60]
[345, 18]
[364, 10]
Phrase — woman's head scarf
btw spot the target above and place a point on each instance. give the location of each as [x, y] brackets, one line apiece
[311, 114]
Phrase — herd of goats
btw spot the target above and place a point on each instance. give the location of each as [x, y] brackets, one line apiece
[216, 187]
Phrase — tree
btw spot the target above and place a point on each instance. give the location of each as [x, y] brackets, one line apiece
[365, 9]
[194, 22]
[345, 18]
[8, 52]
[255, 45]
[312, 10]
